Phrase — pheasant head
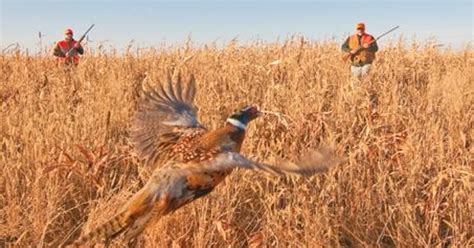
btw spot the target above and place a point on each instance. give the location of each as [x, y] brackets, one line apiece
[241, 118]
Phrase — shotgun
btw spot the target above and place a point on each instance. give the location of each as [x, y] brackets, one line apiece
[79, 41]
[349, 56]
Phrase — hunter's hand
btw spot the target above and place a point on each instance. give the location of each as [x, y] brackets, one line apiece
[366, 45]
[77, 45]
[354, 51]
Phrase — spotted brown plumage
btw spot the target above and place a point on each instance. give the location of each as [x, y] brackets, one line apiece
[188, 160]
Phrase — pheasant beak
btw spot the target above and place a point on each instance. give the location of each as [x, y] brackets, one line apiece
[255, 112]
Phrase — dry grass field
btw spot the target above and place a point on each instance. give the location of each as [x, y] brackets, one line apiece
[405, 134]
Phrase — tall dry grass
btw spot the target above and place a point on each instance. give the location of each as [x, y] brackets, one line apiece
[406, 134]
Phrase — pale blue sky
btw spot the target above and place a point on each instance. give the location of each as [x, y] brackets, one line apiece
[151, 23]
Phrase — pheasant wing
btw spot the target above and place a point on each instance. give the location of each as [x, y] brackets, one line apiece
[164, 114]
[316, 162]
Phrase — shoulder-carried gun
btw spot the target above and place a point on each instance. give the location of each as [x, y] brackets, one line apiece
[349, 56]
[80, 40]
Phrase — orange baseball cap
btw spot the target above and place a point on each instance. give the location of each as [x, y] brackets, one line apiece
[360, 26]
[68, 31]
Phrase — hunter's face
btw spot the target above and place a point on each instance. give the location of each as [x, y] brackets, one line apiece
[360, 31]
[68, 36]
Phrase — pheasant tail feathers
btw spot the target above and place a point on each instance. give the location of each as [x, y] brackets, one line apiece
[106, 231]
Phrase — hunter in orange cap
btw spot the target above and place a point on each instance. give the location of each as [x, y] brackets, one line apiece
[360, 26]
[360, 48]
[67, 51]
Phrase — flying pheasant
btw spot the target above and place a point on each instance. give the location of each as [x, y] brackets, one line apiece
[188, 160]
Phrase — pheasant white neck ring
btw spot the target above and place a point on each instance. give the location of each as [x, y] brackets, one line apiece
[237, 123]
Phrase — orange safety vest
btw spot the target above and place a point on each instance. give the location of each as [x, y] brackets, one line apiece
[65, 46]
[363, 56]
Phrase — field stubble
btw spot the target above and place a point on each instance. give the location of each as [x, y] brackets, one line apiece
[405, 135]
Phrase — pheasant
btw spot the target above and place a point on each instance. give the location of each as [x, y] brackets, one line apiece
[189, 161]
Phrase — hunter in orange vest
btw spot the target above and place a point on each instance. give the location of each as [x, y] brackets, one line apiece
[361, 48]
[67, 51]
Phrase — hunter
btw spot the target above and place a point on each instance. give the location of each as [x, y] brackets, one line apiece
[67, 51]
[361, 48]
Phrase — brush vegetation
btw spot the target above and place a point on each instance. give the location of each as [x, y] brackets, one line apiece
[405, 136]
